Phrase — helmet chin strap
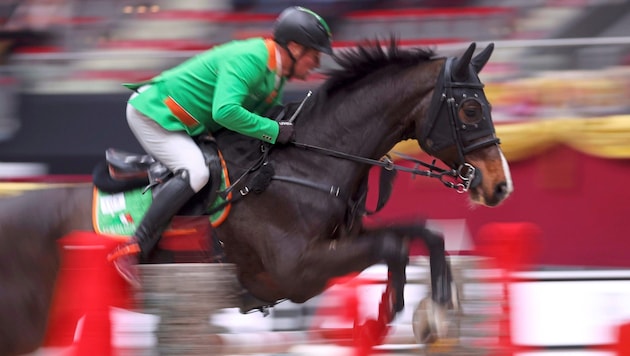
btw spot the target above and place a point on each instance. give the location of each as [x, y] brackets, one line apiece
[293, 61]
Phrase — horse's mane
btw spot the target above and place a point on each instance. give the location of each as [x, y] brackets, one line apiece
[370, 55]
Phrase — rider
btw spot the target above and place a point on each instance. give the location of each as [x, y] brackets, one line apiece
[229, 86]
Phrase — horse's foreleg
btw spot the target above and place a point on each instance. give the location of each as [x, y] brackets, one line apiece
[307, 273]
[435, 324]
[441, 275]
[430, 320]
[326, 260]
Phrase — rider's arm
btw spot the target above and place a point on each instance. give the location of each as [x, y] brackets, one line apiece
[236, 79]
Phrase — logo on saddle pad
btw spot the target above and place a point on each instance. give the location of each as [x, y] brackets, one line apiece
[119, 213]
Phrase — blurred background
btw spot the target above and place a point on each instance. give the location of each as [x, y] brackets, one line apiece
[559, 82]
[63, 61]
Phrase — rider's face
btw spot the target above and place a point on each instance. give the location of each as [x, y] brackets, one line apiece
[307, 59]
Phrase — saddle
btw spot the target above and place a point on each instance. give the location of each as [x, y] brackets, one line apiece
[122, 171]
[124, 165]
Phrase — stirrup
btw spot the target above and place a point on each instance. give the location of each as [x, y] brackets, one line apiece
[128, 249]
[129, 274]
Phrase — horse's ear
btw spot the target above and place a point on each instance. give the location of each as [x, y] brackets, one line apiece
[460, 73]
[481, 59]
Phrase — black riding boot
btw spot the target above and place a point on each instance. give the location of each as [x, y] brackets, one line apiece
[166, 203]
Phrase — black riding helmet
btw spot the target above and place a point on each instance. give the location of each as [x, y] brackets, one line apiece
[303, 26]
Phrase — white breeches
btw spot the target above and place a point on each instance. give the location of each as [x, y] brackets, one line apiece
[175, 149]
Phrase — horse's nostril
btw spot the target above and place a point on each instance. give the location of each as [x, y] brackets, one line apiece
[501, 190]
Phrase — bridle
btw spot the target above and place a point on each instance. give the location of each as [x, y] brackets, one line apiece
[444, 128]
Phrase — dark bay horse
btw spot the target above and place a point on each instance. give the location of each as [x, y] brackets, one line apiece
[305, 228]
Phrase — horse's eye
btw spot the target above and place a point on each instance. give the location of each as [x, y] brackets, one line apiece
[470, 111]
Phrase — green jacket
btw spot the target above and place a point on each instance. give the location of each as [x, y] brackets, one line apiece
[229, 86]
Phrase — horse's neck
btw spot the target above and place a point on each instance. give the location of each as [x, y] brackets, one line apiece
[369, 121]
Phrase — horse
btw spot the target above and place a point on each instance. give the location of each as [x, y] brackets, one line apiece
[304, 228]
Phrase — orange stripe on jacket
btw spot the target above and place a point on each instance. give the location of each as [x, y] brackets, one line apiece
[180, 113]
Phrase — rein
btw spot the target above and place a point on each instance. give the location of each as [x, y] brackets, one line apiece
[432, 170]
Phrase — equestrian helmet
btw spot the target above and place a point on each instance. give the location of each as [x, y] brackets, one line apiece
[303, 26]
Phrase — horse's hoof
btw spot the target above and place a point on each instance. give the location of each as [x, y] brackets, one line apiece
[429, 322]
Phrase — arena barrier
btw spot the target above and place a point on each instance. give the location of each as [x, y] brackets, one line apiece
[86, 289]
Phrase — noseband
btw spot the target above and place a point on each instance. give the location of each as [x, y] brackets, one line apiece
[444, 129]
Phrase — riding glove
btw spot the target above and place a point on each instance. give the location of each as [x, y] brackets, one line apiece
[286, 132]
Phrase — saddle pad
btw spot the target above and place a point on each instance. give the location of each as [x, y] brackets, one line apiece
[118, 214]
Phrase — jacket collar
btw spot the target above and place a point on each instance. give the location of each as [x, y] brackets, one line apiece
[274, 63]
